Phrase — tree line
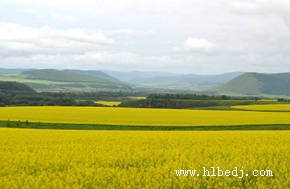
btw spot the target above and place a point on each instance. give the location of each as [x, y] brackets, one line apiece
[17, 98]
[188, 101]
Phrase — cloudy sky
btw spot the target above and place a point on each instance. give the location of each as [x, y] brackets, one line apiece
[183, 36]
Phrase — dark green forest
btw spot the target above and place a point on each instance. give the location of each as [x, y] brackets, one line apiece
[192, 101]
[18, 94]
[13, 93]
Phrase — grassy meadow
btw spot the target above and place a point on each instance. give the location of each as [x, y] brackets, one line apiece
[138, 159]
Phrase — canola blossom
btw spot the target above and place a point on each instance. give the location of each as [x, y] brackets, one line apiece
[141, 116]
[265, 107]
[32, 158]
[108, 103]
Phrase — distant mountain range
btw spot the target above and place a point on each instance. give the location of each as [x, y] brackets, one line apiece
[14, 87]
[257, 84]
[234, 84]
[172, 81]
[7, 71]
[65, 80]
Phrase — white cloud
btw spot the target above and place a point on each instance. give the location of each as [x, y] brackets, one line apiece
[109, 5]
[198, 45]
[243, 6]
[130, 32]
[66, 19]
[95, 60]
[140, 34]
[15, 38]
[277, 7]
[107, 57]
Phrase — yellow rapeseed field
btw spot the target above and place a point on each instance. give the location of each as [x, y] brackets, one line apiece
[265, 107]
[141, 116]
[268, 100]
[108, 103]
[31, 159]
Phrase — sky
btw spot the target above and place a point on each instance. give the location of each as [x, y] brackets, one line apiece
[180, 36]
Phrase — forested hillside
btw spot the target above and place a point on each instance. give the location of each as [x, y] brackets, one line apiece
[258, 84]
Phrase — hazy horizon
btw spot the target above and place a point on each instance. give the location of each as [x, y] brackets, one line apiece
[144, 71]
[173, 36]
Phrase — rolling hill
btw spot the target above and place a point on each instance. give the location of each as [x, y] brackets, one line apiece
[171, 80]
[95, 73]
[66, 76]
[7, 70]
[66, 80]
[14, 87]
[258, 84]
[233, 84]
